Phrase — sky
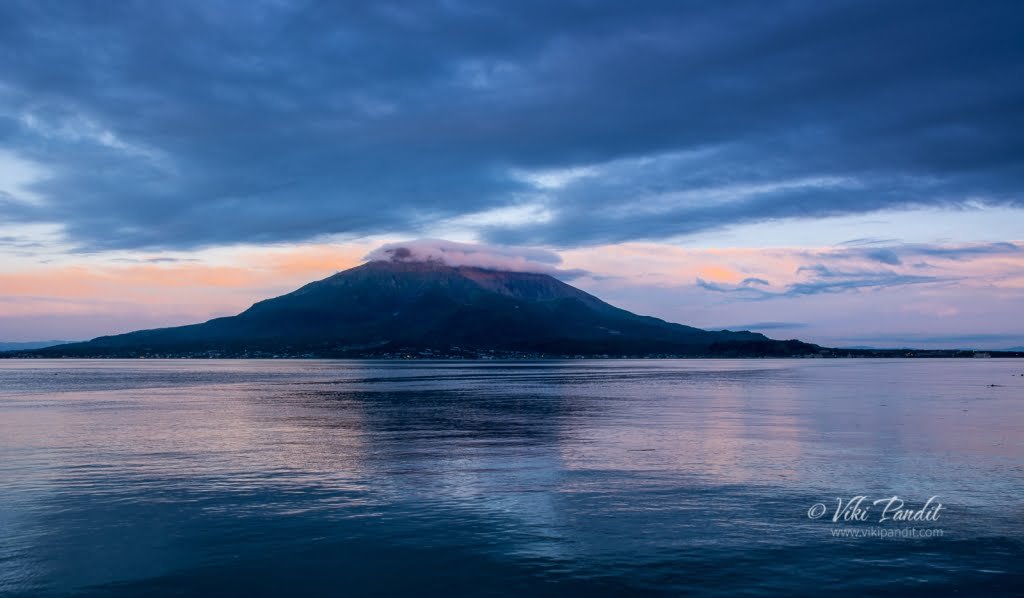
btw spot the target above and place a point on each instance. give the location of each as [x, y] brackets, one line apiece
[847, 173]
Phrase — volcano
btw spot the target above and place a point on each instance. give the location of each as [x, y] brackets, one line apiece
[402, 308]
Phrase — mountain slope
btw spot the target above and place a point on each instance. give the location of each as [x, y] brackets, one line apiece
[24, 345]
[383, 308]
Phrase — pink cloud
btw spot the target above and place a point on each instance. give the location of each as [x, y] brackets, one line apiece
[491, 257]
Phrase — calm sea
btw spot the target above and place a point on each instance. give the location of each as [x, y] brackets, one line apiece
[497, 478]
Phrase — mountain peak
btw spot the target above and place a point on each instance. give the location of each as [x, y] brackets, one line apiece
[528, 286]
[425, 306]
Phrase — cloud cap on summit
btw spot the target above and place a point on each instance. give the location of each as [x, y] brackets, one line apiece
[478, 255]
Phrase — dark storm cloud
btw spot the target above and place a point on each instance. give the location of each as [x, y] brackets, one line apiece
[177, 124]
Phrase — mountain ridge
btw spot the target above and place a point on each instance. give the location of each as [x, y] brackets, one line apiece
[27, 345]
[427, 308]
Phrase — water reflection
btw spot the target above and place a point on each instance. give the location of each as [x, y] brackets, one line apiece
[597, 476]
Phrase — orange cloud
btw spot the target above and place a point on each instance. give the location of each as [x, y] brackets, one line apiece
[669, 266]
[249, 275]
[720, 274]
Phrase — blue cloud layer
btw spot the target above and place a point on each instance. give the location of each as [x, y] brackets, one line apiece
[829, 272]
[180, 124]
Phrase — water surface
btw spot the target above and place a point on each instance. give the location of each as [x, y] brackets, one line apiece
[493, 478]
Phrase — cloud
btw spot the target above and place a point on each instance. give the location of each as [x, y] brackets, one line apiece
[965, 252]
[89, 297]
[154, 260]
[861, 241]
[491, 257]
[987, 340]
[746, 287]
[826, 280]
[764, 326]
[718, 287]
[191, 124]
[821, 279]
[884, 256]
[895, 254]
